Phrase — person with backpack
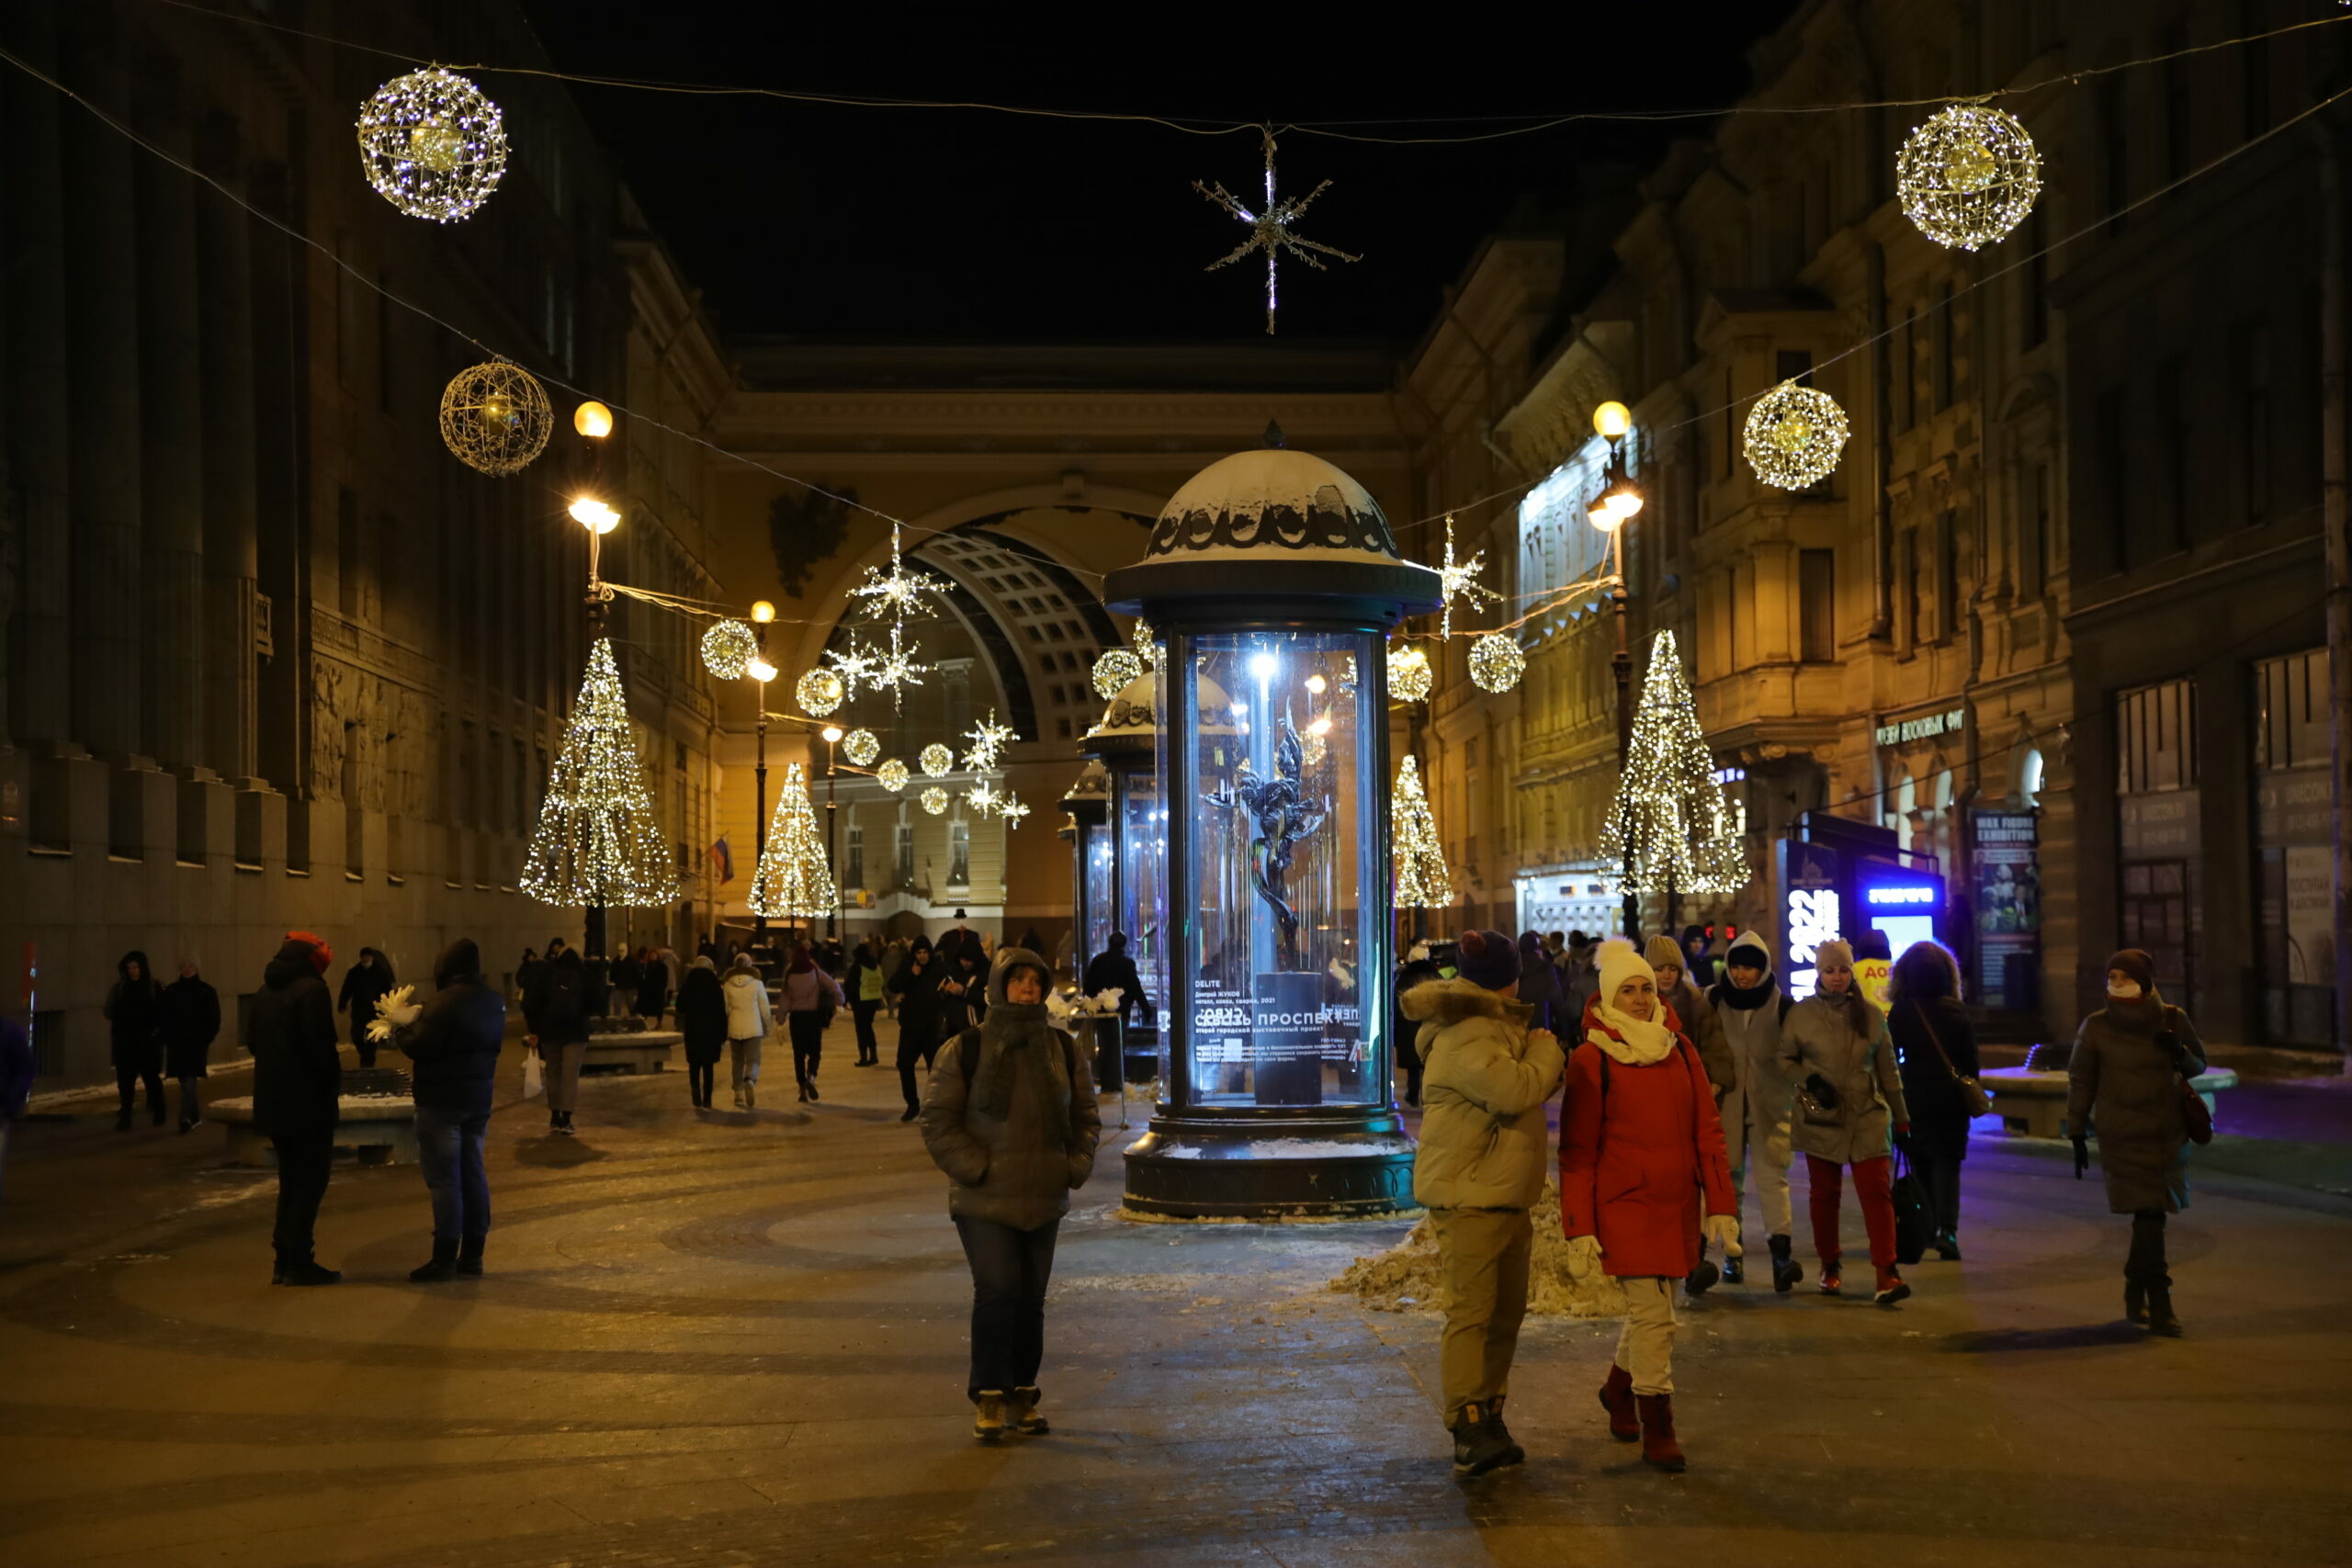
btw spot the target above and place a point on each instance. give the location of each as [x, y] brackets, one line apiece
[452, 1043]
[749, 1020]
[1478, 1171]
[558, 1017]
[191, 1022]
[1934, 1048]
[702, 1019]
[1750, 1006]
[865, 994]
[916, 985]
[810, 997]
[1642, 1181]
[2127, 1082]
[134, 1015]
[298, 1097]
[1009, 1117]
[364, 984]
[1837, 1055]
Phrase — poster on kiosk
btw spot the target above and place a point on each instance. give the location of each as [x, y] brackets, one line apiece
[1840, 880]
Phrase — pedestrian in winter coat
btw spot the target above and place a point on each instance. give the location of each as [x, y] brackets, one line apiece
[864, 987]
[1934, 1048]
[134, 1014]
[1010, 1116]
[961, 990]
[1416, 971]
[1837, 1054]
[1697, 1020]
[628, 970]
[2131, 1066]
[1487, 1073]
[1643, 1184]
[1749, 1006]
[916, 985]
[363, 984]
[749, 1020]
[191, 1022]
[650, 995]
[298, 1096]
[810, 997]
[18, 1069]
[452, 1044]
[1114, 969]
[702, 1018]
[1578, 980]
[1539, 983]
[558, 1009]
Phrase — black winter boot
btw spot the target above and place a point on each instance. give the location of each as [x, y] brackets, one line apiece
[307, 1272]
[1479, 1442]
[1787, 1272]
[2135, 1300]
[443, 1265]
[1734, 1267]
[1702, 1280]
[2159, 1318]
[469, 1257]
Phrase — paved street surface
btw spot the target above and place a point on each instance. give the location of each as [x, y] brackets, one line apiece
[740, 1341]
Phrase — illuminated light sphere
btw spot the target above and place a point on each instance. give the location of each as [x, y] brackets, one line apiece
[494, 417]
[763, 612]
[937, 761]
[934, 800]
[892, 776]
[1115, 672]
[1793, 435]
[1968, 177]
[728, 650]
[1611, 419]
[861, 747]
[1410, 677]
[1496, 662]
[592, 419]
[432, 144]
[760, 669]
[820, 692]
[594, 515]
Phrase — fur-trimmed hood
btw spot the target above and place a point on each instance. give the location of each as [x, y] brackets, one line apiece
[1448, 1002]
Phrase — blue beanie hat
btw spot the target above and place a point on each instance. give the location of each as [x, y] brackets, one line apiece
[1489, 959]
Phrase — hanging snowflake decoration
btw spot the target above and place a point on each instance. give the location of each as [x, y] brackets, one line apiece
[1011, 810]
[819, 692]
[1460, 581]
[983, 798]
[1348, 677]
[892, 776]
[988, 739]
[1144, 642]
[1496, 662]
[854, 665]
[937, 761]
[1270, 229]
[495, 417]
[432, 144]
[1793, 435]
[1410, 677]
[895, 671]
[861, 747]
[728, 647]
[1968, 177]
[897, 592]
[1116, 672]
[934, 800]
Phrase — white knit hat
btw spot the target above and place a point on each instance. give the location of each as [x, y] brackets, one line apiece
[1617, 962]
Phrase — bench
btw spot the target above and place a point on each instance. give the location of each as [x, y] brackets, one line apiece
[379, 1129]
[635, 1051]
[2031, 1103]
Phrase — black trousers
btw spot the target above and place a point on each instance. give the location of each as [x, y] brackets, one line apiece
[304, 1160]
[701, 1078]
[2145, 1264]
[1011, 1270]
[808, 1032]
[868, 1048]
[911, 1050]
[127, 1080]
[359, 1038]
[1939, 1174]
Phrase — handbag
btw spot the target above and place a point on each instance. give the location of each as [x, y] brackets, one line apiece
[1910, 1198]
[1971, 1092]
[534, 1077]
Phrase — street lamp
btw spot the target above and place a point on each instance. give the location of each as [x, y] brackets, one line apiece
[760, 669]
[1610, 511]
[593, 421]
[832, 734]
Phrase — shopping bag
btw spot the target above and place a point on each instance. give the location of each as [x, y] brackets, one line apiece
[533, 1075]
[1911, 1222]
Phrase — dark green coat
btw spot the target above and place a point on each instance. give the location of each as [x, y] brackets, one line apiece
[2124, 1089]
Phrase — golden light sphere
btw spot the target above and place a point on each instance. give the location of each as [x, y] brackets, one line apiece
[1968, 177]
[1496, 662]
[1114, 670]
[1613, 419]
[1795, 435]
[1409, 676]
[937, 761]
[934, 800]
[432, 144]
[818, 692]
[592, 419]
[496, 418]
[763, 612]
[892, 776]
[861, 747]
[728, 650]
[760, 669]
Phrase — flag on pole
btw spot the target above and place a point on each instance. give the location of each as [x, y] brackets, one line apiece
[722, 859]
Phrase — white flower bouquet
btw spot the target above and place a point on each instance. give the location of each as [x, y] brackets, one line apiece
[395, 1010]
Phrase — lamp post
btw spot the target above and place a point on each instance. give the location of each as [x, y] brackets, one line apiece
[593, 421]
[763, 671]
[1609, 512]
[832, 734]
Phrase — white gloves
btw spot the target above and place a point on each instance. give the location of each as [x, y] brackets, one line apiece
[1724, 1230]
[1584, 1257]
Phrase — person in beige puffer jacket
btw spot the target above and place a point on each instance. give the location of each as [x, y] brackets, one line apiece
[1484, 1149]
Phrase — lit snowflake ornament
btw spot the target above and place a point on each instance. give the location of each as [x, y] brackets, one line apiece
[1459, 580]
[988, 739]
[983, 798]
[1270, 229]
[1012, 809]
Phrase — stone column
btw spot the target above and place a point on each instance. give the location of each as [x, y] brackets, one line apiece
[102, 446]
[225, 321]
[33, 257]
[171, 449]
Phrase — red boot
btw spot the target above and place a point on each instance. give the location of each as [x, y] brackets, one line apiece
[1617, 1398]
[1658, 1446]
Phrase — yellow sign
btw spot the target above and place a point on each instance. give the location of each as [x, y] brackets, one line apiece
[1872, 975]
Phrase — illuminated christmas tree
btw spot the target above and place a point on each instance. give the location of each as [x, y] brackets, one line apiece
[1422, 881]
[1669, 811]
[597, 843]
[795, 880]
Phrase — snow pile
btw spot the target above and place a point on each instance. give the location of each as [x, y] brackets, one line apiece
[1405, 1278]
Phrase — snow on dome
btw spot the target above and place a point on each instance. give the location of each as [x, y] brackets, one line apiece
[1269, 500]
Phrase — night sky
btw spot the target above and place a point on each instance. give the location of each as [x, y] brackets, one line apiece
[939, 224]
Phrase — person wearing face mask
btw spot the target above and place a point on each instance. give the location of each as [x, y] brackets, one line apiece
[1837, 1054]
[2125, 1079]
[1643, 1177]
[1750, 1006]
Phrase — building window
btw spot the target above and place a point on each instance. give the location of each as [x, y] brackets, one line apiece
[2178, 109]
[2173, 438]
[854, 858]
[2036, 314]
[348, 547]
[1731, 437]
[1907, 574]
[2034, 542]
[2155, 738]
[2250, 368]
[959, 854]
[2292, 715]
[1947, 577]
[2255, 56]
[1907, 386]
[1946, 376]
[1817, 605]
[2118, 168]
[905, 854]
[2113, 476]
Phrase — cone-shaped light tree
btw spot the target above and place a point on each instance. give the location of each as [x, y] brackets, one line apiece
[795, 880]
[1422, 881]
[597, 843]
[1670, 829]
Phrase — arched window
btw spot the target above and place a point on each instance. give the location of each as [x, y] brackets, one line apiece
[2030, 776]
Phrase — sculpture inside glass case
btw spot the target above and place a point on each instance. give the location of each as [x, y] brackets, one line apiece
[1286, 817]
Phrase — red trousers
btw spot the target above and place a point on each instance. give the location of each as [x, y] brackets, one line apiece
[1874, 1186]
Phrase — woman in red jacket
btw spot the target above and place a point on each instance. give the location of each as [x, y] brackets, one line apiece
[1641, 1161]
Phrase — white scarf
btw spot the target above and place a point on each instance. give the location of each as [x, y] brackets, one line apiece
[1638, 1042]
